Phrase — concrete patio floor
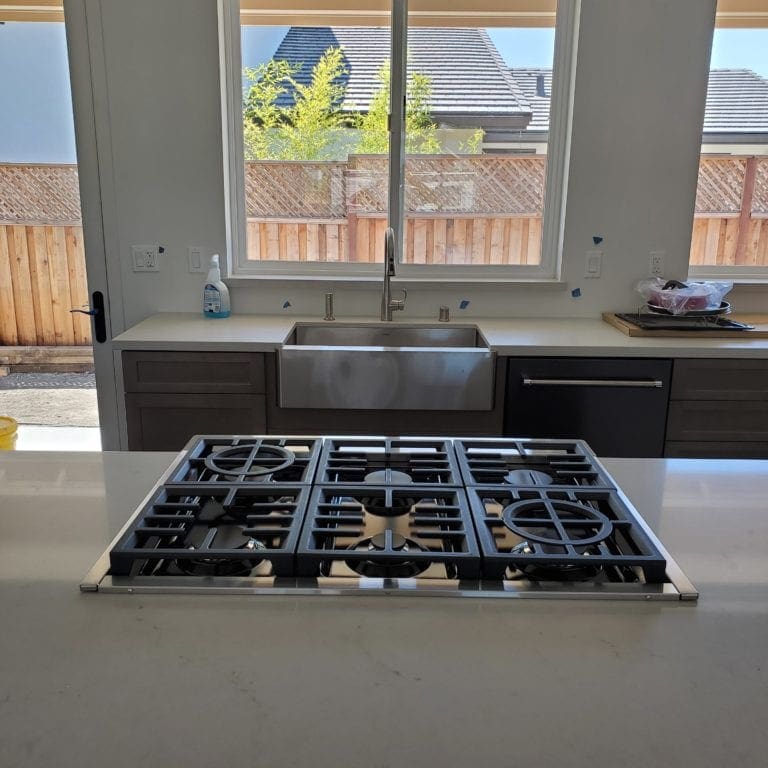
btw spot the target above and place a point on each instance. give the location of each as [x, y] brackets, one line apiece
[55, 411]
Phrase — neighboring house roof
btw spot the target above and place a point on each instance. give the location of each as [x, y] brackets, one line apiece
[737, 101]
[536, 85]
[471, 85]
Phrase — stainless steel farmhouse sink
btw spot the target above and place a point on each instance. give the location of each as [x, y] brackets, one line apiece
[386, 366]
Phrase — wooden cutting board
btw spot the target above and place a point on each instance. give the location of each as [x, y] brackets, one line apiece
[759, 321]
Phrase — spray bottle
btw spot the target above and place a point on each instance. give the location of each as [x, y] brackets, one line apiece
[215, 293]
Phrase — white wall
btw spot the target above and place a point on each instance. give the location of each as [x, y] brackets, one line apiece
[641, 80]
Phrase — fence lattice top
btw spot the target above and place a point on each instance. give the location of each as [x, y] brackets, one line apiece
[39, 194]
[473, 185]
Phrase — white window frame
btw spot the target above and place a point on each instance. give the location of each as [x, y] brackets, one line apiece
[548, 270]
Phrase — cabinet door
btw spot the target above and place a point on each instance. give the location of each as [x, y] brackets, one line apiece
[166, 422]
[619, 406]
[718, 421]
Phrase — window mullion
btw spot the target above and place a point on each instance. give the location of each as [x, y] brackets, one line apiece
[398, 76]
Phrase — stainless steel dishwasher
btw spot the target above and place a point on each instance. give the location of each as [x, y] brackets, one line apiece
[619, 406]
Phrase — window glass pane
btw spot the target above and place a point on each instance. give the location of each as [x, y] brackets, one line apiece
[315, 142]
[730, 228]
[477, 122]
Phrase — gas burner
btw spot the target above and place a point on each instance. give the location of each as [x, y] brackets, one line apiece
[240, 460]
[557, 522]
[553, 572]
[235, 460]
[560, 533]
[390, 476]
[420, 462]
[528, 477]
[383, 506]
[211, 566]
[529, 463]
[388, 532]
[215, 530]
[388, 542]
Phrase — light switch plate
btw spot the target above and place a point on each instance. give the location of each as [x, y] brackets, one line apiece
[195, 256]
[593, 264]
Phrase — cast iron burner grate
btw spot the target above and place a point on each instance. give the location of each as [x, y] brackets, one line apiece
[245, 459]
[386, 532]
[562, 533]
[213, 531]
[388, 461]
[522, 463]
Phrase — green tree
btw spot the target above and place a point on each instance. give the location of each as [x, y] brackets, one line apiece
[262, 118]
[314, 127]
[306, 130]
[420, 129]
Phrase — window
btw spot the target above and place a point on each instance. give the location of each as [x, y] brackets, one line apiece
[730, 228]
[469, 176]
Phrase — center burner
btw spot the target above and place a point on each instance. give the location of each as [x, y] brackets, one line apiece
[388, 461]
[221, 459]
[492, 461]
[384, 532]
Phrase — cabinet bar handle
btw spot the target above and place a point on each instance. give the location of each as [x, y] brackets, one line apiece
[643, 383]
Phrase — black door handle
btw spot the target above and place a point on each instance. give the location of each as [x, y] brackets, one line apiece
[97, 313]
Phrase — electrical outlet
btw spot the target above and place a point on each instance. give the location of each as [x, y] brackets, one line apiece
[593, 264]
[656, 265]
[195, 255]
[145, 258]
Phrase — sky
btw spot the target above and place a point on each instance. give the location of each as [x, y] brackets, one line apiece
[40, 129]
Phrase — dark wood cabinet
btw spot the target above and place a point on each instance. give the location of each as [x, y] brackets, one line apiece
[619, 406]
[171, 396]
[718, 409]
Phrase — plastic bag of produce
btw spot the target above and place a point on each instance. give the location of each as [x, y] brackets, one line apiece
[678, 298]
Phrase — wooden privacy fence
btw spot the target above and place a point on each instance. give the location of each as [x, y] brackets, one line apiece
[42, 276]
[42, 261]
[475, 209]
[731, 222]
[472, 209]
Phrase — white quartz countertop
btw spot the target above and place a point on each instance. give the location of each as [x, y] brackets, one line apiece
[164, 680]
[569, 337]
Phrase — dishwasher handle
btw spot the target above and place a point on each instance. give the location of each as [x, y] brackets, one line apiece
[628, 383]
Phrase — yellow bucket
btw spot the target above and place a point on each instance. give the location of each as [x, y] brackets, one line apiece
[8, 429]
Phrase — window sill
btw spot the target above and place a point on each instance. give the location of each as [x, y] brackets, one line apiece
[370, 282]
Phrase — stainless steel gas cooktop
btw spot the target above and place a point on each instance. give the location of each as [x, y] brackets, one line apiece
[480, 517]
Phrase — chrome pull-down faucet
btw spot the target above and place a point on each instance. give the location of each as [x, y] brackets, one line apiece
[388, 304]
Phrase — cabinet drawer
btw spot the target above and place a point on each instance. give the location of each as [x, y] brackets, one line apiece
[717, 421]
[693, 450]
[194, 372]
[720, 380]
[166, 422]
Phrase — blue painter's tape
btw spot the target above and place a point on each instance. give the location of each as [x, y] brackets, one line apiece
[576, 293]
[286, 304]
[596, 239]
[464, 303]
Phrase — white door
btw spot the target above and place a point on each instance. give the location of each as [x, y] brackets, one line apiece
[96, 195]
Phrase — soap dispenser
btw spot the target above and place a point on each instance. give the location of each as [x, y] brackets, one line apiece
[215, 293]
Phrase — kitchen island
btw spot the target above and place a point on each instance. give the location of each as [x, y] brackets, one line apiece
[233, 681]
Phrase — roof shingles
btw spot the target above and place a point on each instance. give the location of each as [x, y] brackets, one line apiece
[467, 74]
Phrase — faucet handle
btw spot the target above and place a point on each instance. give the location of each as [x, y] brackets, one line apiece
[396, 304]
